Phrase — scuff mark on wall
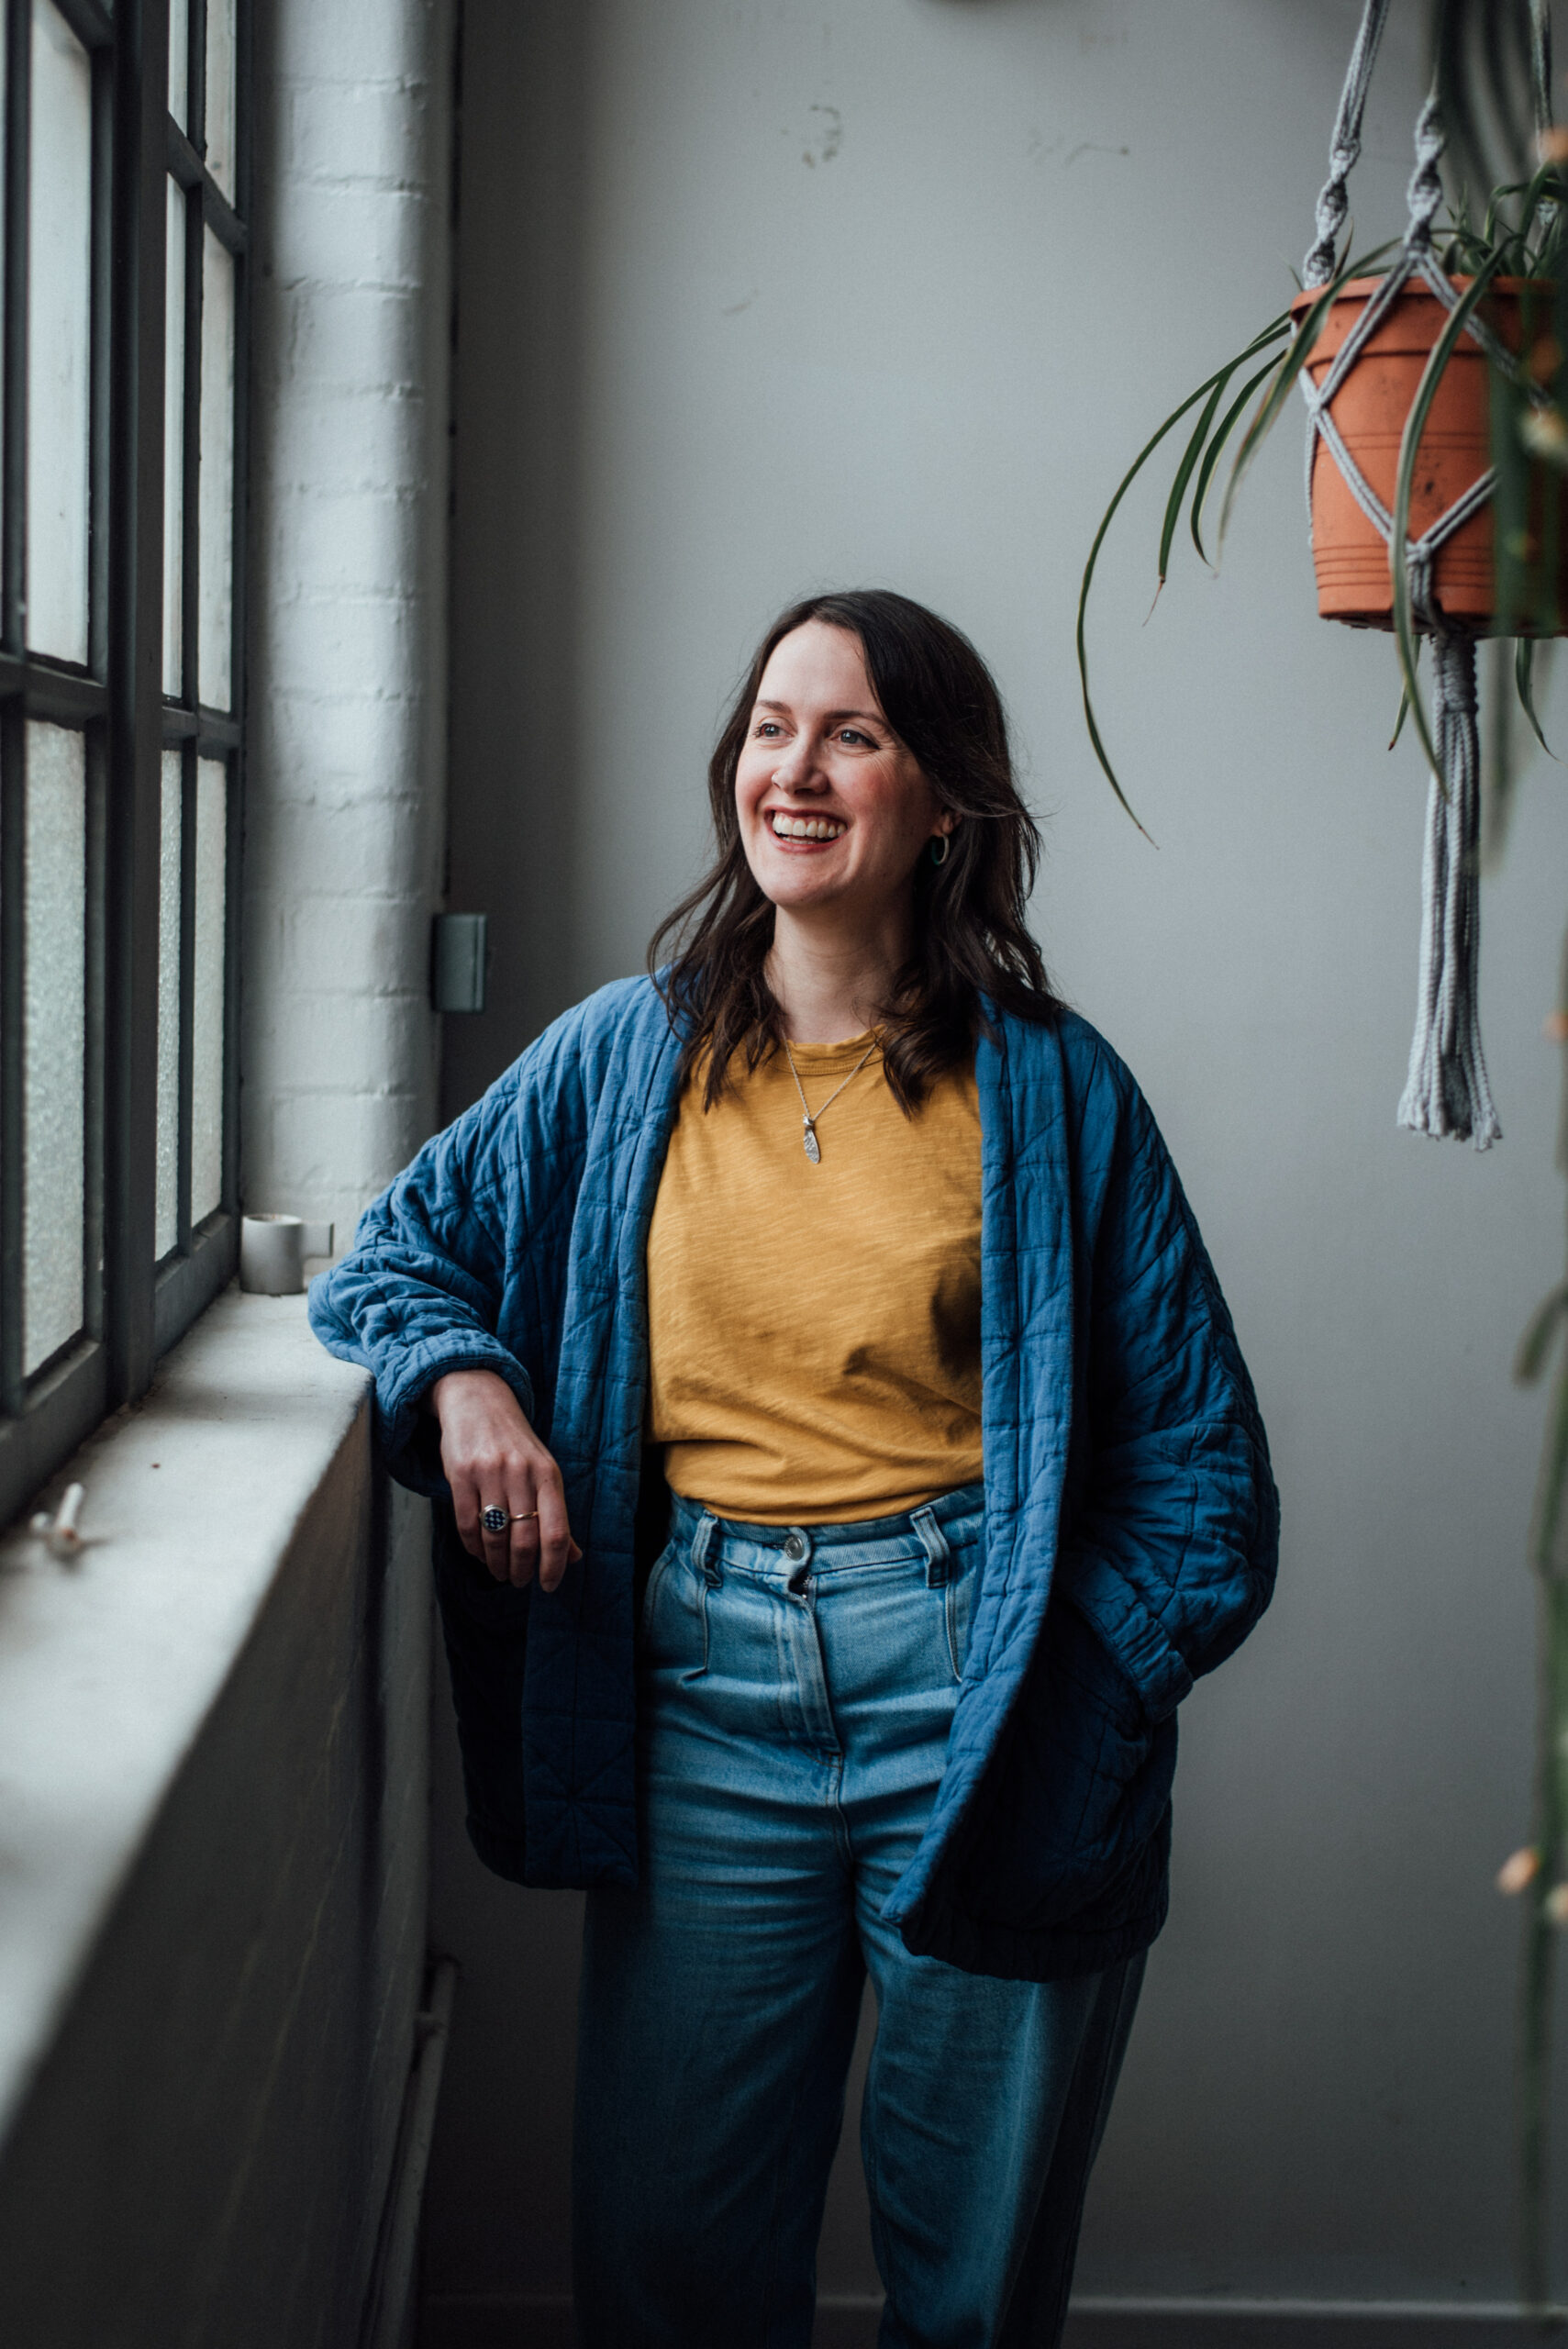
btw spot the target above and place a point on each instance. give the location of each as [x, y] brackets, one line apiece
[822, 138]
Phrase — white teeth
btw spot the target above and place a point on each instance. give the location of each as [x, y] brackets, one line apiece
[805, 828]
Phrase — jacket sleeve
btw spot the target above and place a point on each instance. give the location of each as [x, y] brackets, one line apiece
[420, 1292]
[1170, 1553]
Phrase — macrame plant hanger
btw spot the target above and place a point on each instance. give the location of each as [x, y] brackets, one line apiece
[1446, 1090]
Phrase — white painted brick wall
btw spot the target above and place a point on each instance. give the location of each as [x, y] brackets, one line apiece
[345, 823]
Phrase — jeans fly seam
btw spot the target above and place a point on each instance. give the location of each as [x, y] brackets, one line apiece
[841, 1835]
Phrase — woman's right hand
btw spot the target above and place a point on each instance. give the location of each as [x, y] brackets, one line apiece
[494, 1460]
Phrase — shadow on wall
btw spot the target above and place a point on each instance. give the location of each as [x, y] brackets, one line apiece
[518, 382]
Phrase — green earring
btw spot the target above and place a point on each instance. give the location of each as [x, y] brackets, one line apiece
[939, 847]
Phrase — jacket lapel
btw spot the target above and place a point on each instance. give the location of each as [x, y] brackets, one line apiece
[1029, 1373]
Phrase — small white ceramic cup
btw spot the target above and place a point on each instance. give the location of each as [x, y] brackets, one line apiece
[272, 1254]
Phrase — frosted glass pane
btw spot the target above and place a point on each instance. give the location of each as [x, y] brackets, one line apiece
[173, 440]
[207, 1055]
[59, 287]
[220, 94]
[54, 1050]
[166, 1226]
[180, 61]
[216, 517]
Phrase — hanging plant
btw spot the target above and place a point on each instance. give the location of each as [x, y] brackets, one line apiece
[1434, 373]
[1394, 352]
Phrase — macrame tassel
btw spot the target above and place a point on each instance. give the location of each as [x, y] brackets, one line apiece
[1446, 1091]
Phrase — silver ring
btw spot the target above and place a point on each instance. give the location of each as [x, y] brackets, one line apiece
[494, 1521]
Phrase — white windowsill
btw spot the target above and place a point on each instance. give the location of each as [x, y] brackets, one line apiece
[108, 1668]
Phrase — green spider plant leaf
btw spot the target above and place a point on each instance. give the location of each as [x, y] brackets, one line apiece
[1194, 448]
[1536, 1343]
[1221, 377]
[1545, 188]
[1514, 573]
[1553, 1485]
[1298, 352]
[1403, 711]
[1524, 685]
[1409, 449]
[1498, 764]
[1184, 474]
[1212, 454]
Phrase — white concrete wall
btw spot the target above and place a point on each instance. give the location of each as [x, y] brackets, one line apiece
[345, 808]
[755, 298]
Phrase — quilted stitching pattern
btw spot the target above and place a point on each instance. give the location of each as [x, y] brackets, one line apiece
[1131, 1521]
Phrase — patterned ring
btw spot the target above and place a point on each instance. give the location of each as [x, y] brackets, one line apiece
[494, 1520]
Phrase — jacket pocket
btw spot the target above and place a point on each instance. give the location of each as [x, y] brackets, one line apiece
[1080, 1781]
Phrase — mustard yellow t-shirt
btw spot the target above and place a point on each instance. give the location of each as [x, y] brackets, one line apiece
[815, 1330]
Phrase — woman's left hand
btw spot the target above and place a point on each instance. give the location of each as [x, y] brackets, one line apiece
[492, 1459]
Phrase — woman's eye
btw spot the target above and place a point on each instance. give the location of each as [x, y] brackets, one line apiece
[769, 726]
[852, 734]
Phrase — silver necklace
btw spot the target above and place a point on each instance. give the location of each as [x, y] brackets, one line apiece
[813, 1147]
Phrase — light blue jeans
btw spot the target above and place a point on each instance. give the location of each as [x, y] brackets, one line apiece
[797, 1685]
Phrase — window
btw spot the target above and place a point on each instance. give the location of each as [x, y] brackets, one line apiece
[121, 447]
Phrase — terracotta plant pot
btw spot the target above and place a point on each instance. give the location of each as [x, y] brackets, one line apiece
[1370, 409]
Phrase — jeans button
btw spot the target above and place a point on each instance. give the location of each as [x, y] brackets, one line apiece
[794, 1548]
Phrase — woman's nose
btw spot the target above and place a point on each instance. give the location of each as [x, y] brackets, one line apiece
[796, 771]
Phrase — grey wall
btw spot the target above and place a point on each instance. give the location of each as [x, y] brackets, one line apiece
[204, 2154]
[758, 297]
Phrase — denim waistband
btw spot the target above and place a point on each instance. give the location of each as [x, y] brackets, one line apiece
[687, 1518]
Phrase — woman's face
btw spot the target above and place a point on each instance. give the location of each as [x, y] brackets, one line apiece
[833, 810]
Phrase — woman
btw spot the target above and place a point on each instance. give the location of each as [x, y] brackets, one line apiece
[840, 1273]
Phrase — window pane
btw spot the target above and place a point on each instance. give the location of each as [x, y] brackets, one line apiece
[179, 60]
[166, 1227]
[206, 1073]
[216, 565]
[220, 94]
[54, 1023]
[173, 441]
[59, 286]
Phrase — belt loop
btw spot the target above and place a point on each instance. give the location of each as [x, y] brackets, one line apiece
[933, 1541]
[702, 1545]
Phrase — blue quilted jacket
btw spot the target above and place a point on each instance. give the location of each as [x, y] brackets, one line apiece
[1131, 1521]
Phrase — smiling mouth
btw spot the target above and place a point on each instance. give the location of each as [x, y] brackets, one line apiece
[785, 827]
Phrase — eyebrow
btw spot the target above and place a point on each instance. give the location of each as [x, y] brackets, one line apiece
[870, 717]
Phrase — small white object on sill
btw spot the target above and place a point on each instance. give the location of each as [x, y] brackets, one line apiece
[58, 1533]
[272, 1256]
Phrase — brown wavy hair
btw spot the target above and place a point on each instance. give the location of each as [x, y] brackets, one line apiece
[969, 942]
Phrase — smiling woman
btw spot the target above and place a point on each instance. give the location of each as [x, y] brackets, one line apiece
[866, 716]
[826, 1537]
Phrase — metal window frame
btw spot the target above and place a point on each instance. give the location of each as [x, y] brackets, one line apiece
[134, 1309]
